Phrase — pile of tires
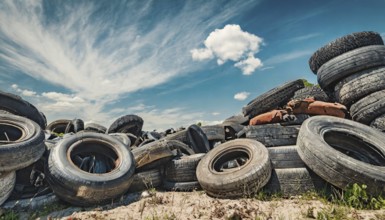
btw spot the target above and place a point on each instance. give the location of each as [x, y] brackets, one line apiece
[353, 68]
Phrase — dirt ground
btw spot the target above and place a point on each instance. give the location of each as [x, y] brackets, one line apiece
[197, 205]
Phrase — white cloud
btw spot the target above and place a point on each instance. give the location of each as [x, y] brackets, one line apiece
[281, 58]
[241, 96]
[215, 113]
[28, 93]
[231, 43]
[304, 37]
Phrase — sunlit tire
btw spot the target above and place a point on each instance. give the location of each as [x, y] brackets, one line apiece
[7, 183]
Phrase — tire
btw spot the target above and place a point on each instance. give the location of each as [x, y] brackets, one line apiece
[369, 108]
[146, 180]
[7, 183]
[214, 132]
[272, 135]
[82, 188]
[18, 106]
[127, 124]
[238, 181]
[35, 203]
[26, 143]
[343, 152]
[349, 63]
[123, 138]
[66, 126]
[94, 127]
[182, 169]
[285, 157]
[313, 91]
[181, 186]
[198, 139]
[294, 182]
[379, 123]
[76, 125]
[236, 119]
[179, 136]
[342, 45]
[272, 99]
[359, 85]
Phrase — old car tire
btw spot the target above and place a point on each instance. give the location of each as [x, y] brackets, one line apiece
[182, 169]
[343, 152]
[95, 127]
[127, 124]
[7, 183]
[285, 157]
[146, 180]
[198, 139]
[369, 107]
[252, 172]
[181, 186]
[312, 91]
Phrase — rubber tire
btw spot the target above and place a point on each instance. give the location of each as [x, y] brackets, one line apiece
[94, 127]
[379, 123]
[198, 139]
[179, 136]
[349, 63]
[181, 186]
[127, 124]
[294, 182]
[336, 167]
[359, 85]
[236, 119]
[18, 106]
[7, 183]
[272, 99]
[76, 126]
[272, 135]
[342, 45]
[24, 151]
[214, 132]
[146, 180]
[235, 183]
[59, 126]
[35, 203]
[123, 138]
[312, 91]
[285, 157]
[182, 169]
[368, 108]
[81, 188]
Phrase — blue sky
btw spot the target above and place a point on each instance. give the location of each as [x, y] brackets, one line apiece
[172, 62]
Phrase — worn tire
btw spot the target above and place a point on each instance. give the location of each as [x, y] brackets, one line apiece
[379, 123]
[179, 136]
[343, 152]
[369, 108]
[272, 135]
[272, 99]
[127, 124]
[146, 180]
[182, 169]
[181, 186]
[18, 106]
[82, 188]
[198, 139]
[35, 203]
[95, 127]
[123, 138]
[285, 157]
[59, 126]
[349, 63]
[26, 143]
[214, 132]
[359, 85]
[342, 45]
[236, 119]
[294, 182]
[246, 179]
[7, 183]
[312, 91]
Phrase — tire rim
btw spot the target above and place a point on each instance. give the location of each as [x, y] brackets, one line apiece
[230, 161]
[95, 157]
[354, 147]
[11, 133]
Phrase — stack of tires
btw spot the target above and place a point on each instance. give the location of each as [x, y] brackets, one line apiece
[353, 68]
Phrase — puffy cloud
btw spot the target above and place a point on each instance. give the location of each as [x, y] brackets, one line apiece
[241, 96]
[215, 113]
[231, 43]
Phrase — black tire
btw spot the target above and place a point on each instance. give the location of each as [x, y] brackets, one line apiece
[253, 172]
[214, 132]
[21, 140]
[379, 123]
[182, 169]
[369, 108]
[343, 152]
[146, 180]
[312, 91]
[236, 119]
[18, 106]
[342, 45]
[272, 99]
[198, 139]
[94, 127]
[359, 85]
[71, 183]
[179, 136]
[285, 157]
[123, 138]
[127, 124]
[349, 63]
[35, 203]
[181, 186]
[7, 183]
[294, 182]
[59, 126]
[272, 135]
[76, 125]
